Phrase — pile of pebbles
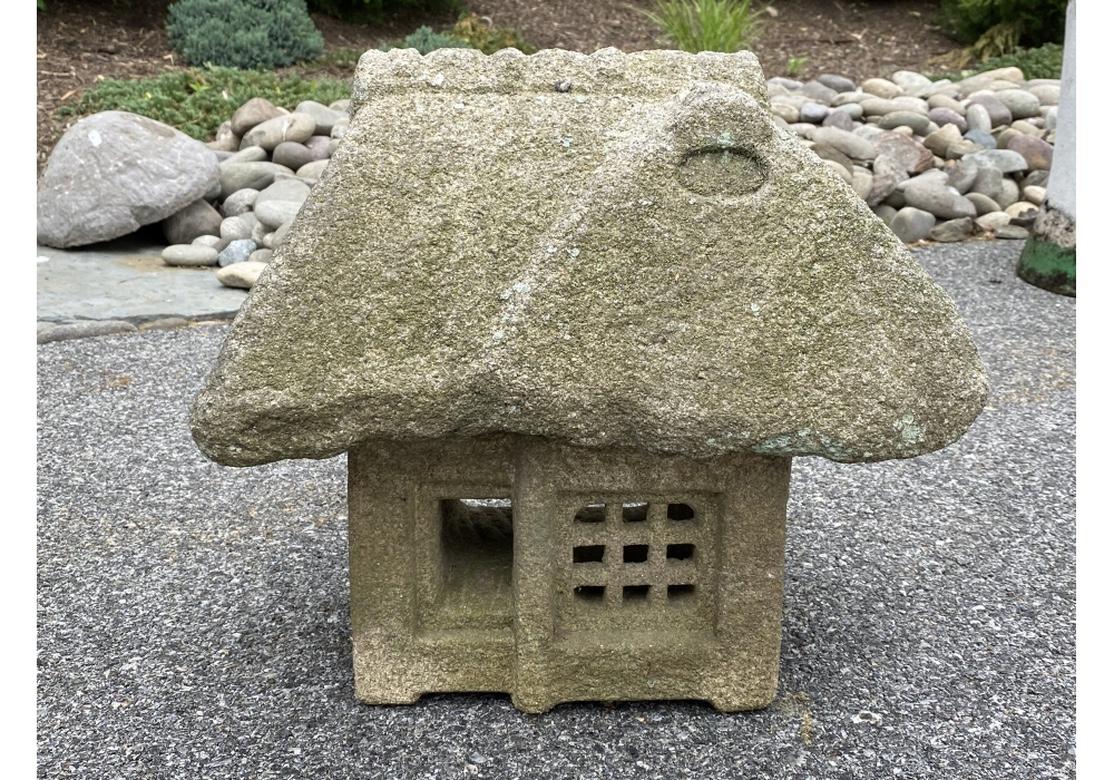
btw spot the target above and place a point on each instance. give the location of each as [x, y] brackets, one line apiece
[940, 160]
[269, 160]
[936, 160]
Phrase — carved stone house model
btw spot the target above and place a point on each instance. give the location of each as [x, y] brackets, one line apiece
[571, 317]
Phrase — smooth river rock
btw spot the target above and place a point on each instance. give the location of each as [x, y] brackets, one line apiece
[289, 127]
[196, 219]
[189, 255]
[113, 172]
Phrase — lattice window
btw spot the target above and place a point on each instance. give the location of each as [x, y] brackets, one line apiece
[636, 563]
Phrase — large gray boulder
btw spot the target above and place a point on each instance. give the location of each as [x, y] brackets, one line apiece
[113, 172]
[606, 250]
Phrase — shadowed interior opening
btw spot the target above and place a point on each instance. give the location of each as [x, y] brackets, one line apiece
[592, 513]
[635, 553]
[635, 593]
[592, 594]
[679, 552]
[588, 553]
[680, 512]
[477, 553]
[635, 513]
[680, 593]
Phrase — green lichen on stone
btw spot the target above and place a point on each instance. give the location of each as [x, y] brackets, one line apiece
[909, 430]
[1048, 265]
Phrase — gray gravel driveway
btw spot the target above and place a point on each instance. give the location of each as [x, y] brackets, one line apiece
[193, 618]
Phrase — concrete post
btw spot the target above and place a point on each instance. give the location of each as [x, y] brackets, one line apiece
[1048, 260]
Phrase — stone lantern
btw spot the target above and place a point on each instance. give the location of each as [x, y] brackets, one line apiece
[571, 316]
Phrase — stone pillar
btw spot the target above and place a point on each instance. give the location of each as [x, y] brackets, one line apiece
[1048, 260]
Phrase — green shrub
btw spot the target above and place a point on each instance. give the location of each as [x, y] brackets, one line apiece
[372, 10]
[1042, 62]
[196, 101]
[426, 40]
[243, 33]
[997, 27]
[706, 25]
[488, 38]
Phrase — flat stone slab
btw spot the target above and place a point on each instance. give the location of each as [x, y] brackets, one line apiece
[126, 279]
[193, 618]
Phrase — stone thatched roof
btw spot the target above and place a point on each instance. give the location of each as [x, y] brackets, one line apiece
[611, 250]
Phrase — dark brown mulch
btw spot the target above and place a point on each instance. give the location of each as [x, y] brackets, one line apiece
[82, 41]
[855, 39]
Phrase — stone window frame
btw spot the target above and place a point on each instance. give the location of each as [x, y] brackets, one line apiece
[601, 589]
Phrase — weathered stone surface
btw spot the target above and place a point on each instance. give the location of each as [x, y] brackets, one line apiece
[1046, 94]
[1013, 232]
[862, 182]
[978, 118]
[1034, 194]
[992, 220]
[787, 112]
[1036, 152]
[238, 227]
[919, 123]
[236, 252]
[273, 213]
[214, 241]
[226, 140]
[313, 170]
[906, 154]
[939, 140]
[189, 255]
[254, 112]
[984, 204]
[839, 119]
[81, 330]
[996, 109]
[930, 192]
[248, 175]
[196, 219]
[243, 274]
[910, 81]
[885, 213]
[289, 127]
[318, 146]
[113, 172]
[247, 154]
[1004, 160]
[836, 82]
[1021, 208]
[291, 190]
[292, 154]
[883, 88]
[324, 116]
[1020, 102]
[946, 116]
[912, 224]
[239, 202]
[645, 261]
[962, 174]
[953, 230]
[814, 112]
[850, 144]
[877, 106]
[981, 138]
